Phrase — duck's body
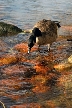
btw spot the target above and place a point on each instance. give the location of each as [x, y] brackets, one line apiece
[46, 39]
[48, 31]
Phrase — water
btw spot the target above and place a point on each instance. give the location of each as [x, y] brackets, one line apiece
[25, 13]
[24, 78]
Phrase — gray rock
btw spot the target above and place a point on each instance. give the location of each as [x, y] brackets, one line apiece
[8, 29]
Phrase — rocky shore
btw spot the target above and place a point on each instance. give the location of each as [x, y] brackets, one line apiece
[39, 79]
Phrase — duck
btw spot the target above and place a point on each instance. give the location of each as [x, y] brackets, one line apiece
[43, 33]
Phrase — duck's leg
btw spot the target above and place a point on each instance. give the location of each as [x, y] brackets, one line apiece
[48, 47]
[38, 47]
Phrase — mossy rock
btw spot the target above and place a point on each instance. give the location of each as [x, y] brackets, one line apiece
[8, 29]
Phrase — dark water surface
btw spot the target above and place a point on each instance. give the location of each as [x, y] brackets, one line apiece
[25, 13]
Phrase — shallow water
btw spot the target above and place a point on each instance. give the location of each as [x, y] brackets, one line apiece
[30, 80]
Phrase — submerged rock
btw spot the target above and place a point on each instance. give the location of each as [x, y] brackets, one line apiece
[8, 59]
[70, 59]
[28, 105]
[67, 64]
[3, 46]
[8, 29]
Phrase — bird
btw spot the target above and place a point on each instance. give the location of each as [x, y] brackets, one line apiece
[43, 33]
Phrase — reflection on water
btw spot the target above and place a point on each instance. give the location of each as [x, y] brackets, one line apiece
[31, 79]
[25, 13]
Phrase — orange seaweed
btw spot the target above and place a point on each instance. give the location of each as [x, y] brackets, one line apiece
[7, 59]
[39, 88]
[39, 83]
[62, 66]
[28, 105]
[50, 104]
[23, 47]
[41, 69]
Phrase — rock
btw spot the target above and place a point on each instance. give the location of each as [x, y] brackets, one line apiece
[28, 105]
[8, 29]
[8, 59]
[3, 46]
[69, 39]
[23, 47]
[48, 104]
[64, 64]
[70, 59]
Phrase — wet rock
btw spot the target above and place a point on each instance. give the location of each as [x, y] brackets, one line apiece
[29, 78]
[28, 105]
[65, 86]
[6, 102]
[63, 66]
[39, 82]
[66, 82]
[50, 104]
[14, 84]
[3, 46]
[19, 70]
[8, 29]
[44, 83]
[43, 64]
[13, 70]
[8, 59]
[70, 59]
[23, 47]
[69, 39]
[66, 64]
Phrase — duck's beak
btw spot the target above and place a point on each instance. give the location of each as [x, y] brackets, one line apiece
[29, 50]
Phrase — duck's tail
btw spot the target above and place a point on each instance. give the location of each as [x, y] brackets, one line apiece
[58, 23]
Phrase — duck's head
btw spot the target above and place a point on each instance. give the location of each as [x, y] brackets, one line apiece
[32, 39]
[36, 32]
